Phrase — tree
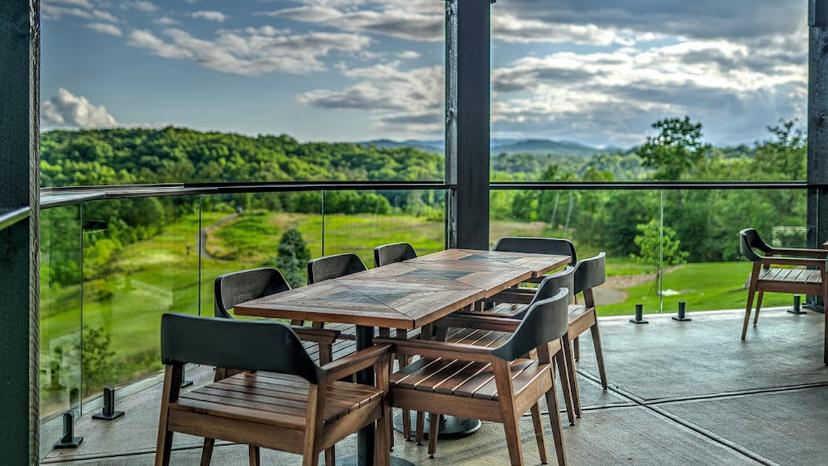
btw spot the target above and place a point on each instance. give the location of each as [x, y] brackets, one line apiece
[675, 150]
[293, 257]
[648, 240]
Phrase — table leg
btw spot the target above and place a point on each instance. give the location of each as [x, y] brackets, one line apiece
[365, 437]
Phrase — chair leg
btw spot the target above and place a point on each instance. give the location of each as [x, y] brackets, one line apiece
[382, 447]
[825, 318]
[163, 448]
[512, 429]
[749, 307]
[573, 377]
[576, 347]
[433, 432]
[330, 456]
[758, 307]
[599, 353]
[560, 360]
[255, 455]
[536, 422]
[207, 451]
[555, 420]
[420, 427]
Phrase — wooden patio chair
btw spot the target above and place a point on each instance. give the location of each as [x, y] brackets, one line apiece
[330, 267]
[496, 384]
[296, 406]
[457, 329]
[587, 275]
[531, 245]
[803, 273]
[235, 288]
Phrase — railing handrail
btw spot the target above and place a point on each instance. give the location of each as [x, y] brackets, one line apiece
[58, 196]
[13, 217]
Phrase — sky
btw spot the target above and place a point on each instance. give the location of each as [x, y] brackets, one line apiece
[598, 72]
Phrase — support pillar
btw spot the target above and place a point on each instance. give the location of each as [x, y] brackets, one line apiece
[468, 111]
[19, 190]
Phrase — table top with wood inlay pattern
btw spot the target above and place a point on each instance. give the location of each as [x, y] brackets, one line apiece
[405, 295]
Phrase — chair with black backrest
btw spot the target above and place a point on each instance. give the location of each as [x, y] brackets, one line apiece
[588, 274]
[532, 245]
[496, 384]
[235, 288]
[803, 273]
[327, 268]
[385, 255]
[281, 400]
[461, 328]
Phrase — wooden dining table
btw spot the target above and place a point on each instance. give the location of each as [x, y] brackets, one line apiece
[406, 295]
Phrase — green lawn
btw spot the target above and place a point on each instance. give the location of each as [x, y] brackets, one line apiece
[160, 275]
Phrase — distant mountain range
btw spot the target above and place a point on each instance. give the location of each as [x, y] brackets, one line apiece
[498, 146]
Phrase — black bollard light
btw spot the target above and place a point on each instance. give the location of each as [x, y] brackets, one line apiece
[682, 313]
[797, 306]
[68, 440]
[108, 412]
[639, 315]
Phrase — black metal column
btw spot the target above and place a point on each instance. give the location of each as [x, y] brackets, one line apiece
[468, 109]
[817, 122]
[19, 181]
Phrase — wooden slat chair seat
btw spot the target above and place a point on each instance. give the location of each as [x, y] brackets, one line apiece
[804, 276]
[274, 399]
[782, 270]
[278, 398]
[494, 383]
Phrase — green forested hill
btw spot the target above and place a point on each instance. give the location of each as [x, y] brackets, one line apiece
[131, 155]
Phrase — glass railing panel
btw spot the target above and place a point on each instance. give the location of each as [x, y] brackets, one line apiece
[282, 230]
[60, 319]
[615, 221]
[702, 263]
[140, 261]
[358, 221]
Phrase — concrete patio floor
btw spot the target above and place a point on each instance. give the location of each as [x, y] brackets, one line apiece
[680, 393]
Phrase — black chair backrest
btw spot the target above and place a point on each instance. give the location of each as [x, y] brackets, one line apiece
[236, 344]
[237, 287]
[591, 272]
[749, 242]
[545, 321]
[549, 287]
[393, 253]
[553, 246]
[338, 265]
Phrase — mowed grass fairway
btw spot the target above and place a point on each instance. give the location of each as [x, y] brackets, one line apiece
[159, 275]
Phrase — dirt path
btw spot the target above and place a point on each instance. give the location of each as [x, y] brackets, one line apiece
[205, 232]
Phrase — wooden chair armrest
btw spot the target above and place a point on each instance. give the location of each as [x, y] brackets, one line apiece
[801, 252]
[317, 335]
[437, 349]
[356, 362]
[794, 261]
[480, 322]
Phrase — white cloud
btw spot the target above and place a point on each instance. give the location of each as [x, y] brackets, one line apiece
[141, 5]
[105, 28]
[401, 101]
[59, 9]
[69, 110]
[215, 16]
[166, 21]
[251, 51]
